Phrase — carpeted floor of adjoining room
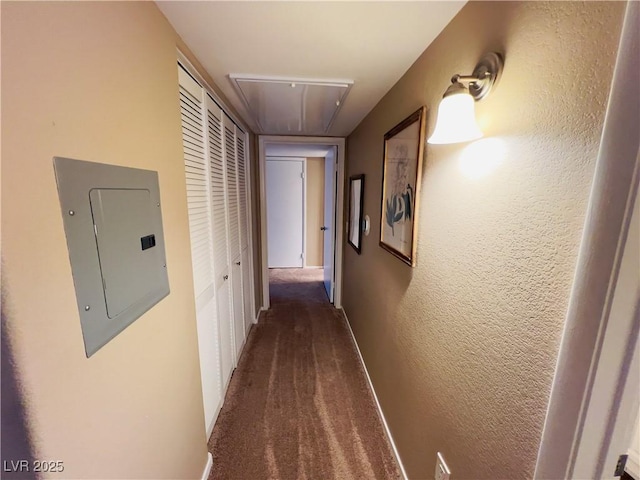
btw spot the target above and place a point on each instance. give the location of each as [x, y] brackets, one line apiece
[299, 405]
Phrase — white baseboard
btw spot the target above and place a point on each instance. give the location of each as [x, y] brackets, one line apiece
[384, 420]
[213, 423]
[207, 467]
[260, 310]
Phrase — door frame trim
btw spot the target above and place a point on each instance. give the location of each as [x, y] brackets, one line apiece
[575, 389]
[339, 143]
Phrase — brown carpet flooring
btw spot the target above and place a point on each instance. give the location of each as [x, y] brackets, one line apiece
[298, 405]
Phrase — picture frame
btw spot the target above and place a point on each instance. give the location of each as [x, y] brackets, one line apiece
[401, 179]
[356, 207]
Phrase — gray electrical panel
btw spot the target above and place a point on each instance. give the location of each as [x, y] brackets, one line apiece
[113, 224]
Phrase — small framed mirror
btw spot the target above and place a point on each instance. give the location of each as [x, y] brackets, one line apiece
[356, 205]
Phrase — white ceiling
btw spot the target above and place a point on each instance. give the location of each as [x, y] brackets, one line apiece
[371, 43]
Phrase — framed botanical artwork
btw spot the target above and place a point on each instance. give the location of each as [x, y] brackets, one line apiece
[401, 174]
[356, 206]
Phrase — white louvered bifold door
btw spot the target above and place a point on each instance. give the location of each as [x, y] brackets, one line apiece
[221, 258]
[243, 205]
[234, 231]
[199, 208]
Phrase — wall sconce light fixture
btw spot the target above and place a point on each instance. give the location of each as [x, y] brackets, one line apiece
[456, 120]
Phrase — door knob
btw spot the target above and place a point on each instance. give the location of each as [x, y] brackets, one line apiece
[323, 228]
[226, 277]
[238, 263]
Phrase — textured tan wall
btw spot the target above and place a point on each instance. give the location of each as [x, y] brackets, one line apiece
[462, 348]
[315, 211]
[96, 81]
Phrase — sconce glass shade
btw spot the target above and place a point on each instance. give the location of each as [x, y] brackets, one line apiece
[456, 120]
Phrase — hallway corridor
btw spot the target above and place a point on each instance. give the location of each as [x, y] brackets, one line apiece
[299, 406]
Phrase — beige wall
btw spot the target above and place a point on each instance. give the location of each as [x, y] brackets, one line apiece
[315, 211]
[462, 348]
[96, 81]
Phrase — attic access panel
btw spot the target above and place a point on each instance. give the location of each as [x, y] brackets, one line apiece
[113, 224]
[282, 106]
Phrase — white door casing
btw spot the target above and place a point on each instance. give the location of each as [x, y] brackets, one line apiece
[604, 436]
[338, 142]
[597, 375]
[285, 212]
[329, 222]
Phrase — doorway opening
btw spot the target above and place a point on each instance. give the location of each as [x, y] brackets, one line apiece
[301, 201]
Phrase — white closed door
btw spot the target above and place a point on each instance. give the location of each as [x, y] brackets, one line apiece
[285, 213]
[330, 174]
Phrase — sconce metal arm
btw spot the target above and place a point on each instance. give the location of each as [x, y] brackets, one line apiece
[469, 78]
[482, 79]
